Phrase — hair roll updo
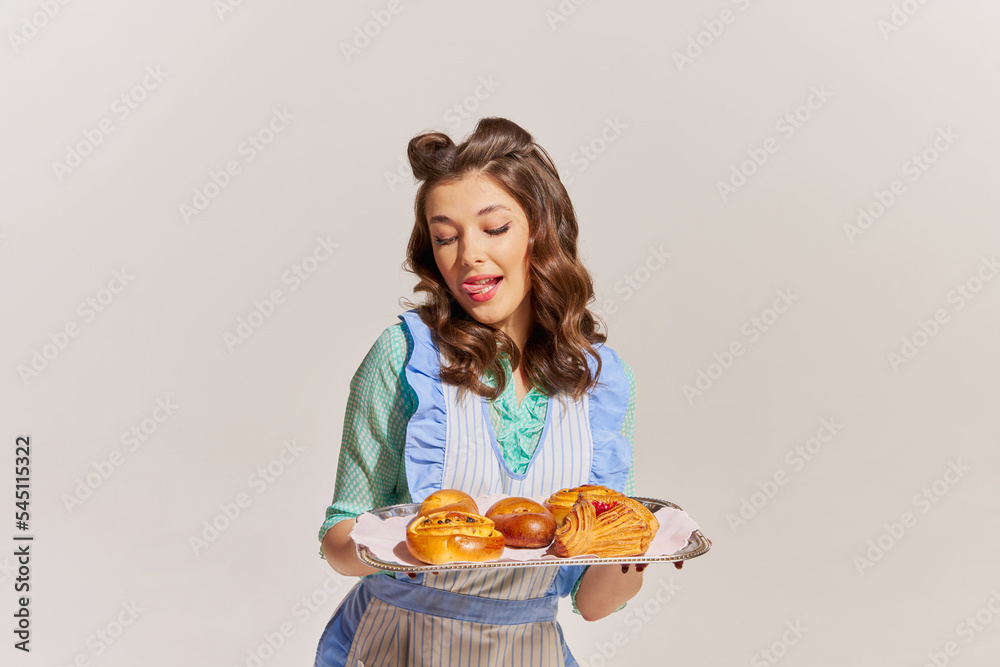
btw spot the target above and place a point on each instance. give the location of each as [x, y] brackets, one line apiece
[563, 330]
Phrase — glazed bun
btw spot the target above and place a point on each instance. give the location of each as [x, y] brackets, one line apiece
[523, 522]
[452, 499]
[452, 535]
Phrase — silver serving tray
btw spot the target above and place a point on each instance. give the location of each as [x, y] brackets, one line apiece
[697, 545]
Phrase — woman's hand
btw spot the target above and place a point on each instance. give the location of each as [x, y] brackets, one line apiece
[605, 588]
[341, 552]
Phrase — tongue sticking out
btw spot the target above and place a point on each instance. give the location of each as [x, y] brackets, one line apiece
[480, 287]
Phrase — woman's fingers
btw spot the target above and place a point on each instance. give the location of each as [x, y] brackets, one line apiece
[413, 575]
[639, 567]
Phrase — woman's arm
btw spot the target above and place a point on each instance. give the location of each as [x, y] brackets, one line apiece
[605, 588]
[370, 466]
[340, 552]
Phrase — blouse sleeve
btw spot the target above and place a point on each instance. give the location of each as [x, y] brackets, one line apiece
[628, 432]
[370, 471]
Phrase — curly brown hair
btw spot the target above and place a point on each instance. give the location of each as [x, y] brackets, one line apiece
[563, 330]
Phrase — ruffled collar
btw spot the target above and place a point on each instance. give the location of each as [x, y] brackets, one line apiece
[517, 427]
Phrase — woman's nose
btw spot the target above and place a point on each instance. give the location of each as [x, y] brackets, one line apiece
[470, 252]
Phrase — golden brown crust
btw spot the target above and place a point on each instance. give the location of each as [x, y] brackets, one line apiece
[621, 526]
[587, 519]
[448, 499]
[650, 518]
[621, 531]
[574, 536]
[523, 522]
[452, 535]
[561, 502]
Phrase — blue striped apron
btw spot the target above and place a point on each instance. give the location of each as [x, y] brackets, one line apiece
[480, 617]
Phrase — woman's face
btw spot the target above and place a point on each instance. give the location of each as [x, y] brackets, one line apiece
[479, 234]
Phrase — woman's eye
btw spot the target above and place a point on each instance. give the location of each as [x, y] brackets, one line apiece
[447, 241]
[499, 230]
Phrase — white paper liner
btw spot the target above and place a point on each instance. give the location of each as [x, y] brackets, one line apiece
[386, 539]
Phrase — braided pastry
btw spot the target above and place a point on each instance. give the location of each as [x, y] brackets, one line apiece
[561, 502]
[620, 526]
[620, 531]
[575, 535]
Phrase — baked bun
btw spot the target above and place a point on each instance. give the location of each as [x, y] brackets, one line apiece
[452, 535]
[523, 522]
[448, 499]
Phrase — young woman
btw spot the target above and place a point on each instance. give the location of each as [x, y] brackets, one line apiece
[498, 383]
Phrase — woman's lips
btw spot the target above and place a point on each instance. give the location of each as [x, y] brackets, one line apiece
[481, 288]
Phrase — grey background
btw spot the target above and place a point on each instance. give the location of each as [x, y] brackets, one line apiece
[808, 556]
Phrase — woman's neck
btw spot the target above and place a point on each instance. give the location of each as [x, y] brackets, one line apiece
[518, 325]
